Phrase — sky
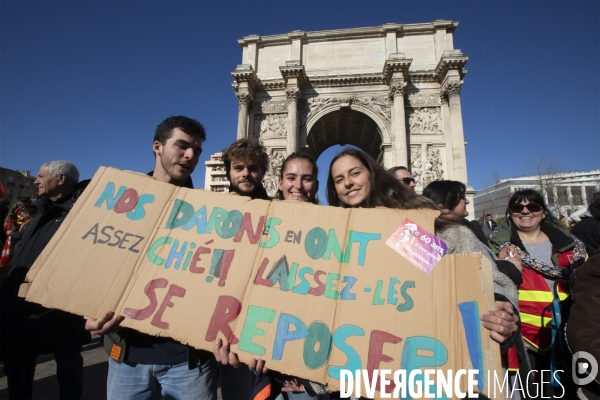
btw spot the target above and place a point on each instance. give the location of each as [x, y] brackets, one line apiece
[89, 81]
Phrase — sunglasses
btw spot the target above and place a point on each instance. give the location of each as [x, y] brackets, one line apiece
[532, 207]
[407, 181]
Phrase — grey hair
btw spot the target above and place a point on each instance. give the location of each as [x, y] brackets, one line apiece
[63, 167]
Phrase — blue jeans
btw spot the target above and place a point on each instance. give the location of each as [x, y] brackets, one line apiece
[144, 381]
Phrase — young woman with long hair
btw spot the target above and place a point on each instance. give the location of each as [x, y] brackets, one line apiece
[356, 180]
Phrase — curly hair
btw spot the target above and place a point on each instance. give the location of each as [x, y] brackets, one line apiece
[386, 190]
[164, 130]
[315, 173]
[246, 150]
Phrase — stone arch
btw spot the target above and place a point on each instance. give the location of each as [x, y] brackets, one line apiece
[343, 126]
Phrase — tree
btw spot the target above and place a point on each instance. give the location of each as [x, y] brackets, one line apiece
[493, 203]
[549, 172]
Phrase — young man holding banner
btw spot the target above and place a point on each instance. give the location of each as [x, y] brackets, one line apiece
[140, 364]
[246, 163]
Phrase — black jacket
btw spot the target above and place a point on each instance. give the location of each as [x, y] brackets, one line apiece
[588, 231]
[117, 344]
[30, 327]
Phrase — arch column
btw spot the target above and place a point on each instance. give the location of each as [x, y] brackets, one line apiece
[452, 90]
[244, 100]
[395, 71]
[399, 142]
[245, 83]
[293, 96]
[294, 76]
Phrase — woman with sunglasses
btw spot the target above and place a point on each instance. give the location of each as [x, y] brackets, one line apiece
[466, 236]
[548, 254]
[356, 180]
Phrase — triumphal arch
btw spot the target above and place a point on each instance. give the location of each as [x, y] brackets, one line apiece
[391, 90]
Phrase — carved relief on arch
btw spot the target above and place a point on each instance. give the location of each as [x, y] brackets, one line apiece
[270, 181]
[269, 125]
[424, 120]
[426, 165]
[270, 106]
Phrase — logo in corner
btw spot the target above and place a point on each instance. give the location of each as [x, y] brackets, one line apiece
[583, 364]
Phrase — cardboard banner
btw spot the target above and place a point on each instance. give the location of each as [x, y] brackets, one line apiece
[310, 289]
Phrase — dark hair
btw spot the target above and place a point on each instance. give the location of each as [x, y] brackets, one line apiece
[446, 193]
[164, 130]
[394, 169]
[315, 173]
[530, 195]
[594, 209]
[246, 150]
[488, 215]
[386, 191]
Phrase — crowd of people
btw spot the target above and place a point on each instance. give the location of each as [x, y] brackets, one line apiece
[536, 263]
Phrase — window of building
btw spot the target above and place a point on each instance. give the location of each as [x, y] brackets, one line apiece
[576, 198]
[589, 193]
[550, 195]
[11, 181]
[561, 193]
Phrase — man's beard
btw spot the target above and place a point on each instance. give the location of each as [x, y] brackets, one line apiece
[256, 192]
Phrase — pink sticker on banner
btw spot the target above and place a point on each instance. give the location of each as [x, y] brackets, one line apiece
[419, 247]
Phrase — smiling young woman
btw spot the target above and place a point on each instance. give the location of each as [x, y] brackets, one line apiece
[362, 182]
[298, 180]
[356, 180]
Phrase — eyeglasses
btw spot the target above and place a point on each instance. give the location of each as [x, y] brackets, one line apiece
[532, 207]
[407, 181]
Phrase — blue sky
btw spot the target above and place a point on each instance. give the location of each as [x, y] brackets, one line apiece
[88, 81]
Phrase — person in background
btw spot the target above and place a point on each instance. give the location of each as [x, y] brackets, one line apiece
[548, 254]
[451, 195]
[588, 229]
[489, 226]
[4, 207]
[12, 223]
[572, 224]
[27, 216]
[583, 325]
[404, 176]
[28, 329]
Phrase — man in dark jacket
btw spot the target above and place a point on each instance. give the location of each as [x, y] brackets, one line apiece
[588, 229]
[28, 329]
[141, 365]
[489, 226]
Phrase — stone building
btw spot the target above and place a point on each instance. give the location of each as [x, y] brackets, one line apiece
[215, 178]
[392, 90]
[566, 194]
[18, 184]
